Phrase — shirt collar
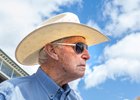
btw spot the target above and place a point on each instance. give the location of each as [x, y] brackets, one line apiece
[48, 84]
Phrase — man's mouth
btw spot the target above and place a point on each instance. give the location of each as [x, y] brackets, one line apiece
[82, 66]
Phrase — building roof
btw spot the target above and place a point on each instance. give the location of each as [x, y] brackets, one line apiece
[8, 68]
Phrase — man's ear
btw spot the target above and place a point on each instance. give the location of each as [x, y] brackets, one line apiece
[50, 50]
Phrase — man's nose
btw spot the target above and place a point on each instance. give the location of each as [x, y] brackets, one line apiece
[85, 54]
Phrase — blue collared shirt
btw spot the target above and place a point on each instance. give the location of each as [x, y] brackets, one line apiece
[39, 86]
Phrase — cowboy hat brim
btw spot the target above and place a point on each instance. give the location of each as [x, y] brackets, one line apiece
[28, 49]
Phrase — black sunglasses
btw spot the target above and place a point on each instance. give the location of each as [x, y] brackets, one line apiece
[78, 47]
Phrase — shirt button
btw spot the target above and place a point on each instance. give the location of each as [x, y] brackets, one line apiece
[51, 96]
[59, 91]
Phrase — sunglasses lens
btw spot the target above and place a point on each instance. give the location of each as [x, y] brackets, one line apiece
[80, 47]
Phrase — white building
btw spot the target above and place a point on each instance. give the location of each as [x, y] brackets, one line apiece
[8, 68]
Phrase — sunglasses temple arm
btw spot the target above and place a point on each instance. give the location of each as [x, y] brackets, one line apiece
[66, 44]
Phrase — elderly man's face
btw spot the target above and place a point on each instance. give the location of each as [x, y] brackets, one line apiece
[73, 64]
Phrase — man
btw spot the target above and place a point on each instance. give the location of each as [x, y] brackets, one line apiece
[60, 46]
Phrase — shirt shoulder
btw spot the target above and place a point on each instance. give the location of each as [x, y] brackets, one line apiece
[6, 88]
[10, 89]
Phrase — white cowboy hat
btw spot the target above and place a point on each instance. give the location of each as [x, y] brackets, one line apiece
[57, 27]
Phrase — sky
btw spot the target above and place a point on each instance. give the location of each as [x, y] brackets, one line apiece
[113, 71]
